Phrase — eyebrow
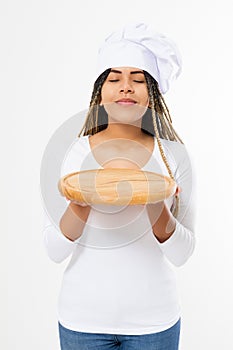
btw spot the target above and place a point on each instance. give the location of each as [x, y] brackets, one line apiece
[133, 72]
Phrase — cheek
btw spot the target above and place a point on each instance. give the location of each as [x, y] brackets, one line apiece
[145, 97]
[106, 94]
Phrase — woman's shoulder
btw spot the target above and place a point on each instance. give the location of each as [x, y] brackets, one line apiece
[75, 154]
[176, 150]
[80, 142]
[174, 145]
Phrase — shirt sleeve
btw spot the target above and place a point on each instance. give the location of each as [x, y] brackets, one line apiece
[57, 246]
[180, 246]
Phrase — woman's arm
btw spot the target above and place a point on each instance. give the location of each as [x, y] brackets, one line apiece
[60, 239]
[73, 220]
[175, 236]
[162, 221]
[60, 242]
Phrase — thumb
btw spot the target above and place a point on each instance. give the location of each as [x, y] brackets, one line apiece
[178, 190]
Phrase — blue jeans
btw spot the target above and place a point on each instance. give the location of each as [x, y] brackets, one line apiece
[165, 340]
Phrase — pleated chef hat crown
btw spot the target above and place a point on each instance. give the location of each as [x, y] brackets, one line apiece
[137, 45]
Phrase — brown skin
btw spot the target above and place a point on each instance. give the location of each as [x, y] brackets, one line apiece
[125, 84]
[73, 220]
[162, 221]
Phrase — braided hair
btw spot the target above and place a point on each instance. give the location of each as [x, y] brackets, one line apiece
[155, 122]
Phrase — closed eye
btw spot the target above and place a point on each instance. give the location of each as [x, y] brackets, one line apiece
[136, 81]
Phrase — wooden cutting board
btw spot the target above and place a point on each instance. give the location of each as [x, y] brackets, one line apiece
[116, 186]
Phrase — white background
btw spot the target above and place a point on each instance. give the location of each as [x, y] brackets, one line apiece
[48, 55]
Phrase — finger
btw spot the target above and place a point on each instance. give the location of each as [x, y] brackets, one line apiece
[82, 204]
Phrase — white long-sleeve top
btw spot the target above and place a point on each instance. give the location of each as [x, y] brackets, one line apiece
[120, 279]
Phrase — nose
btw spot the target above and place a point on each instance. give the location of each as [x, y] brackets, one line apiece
[126, 87]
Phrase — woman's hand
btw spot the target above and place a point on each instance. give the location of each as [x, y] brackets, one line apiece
[178, 190]
[162, 221]
[82, 204]
[74, 219]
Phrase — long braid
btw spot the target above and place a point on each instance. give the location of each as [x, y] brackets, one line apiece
[162, 115]
[91, 126]
[167, 128]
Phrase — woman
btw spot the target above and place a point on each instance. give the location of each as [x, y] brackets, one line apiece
[119, 289]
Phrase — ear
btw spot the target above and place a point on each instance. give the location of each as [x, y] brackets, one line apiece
[149, 105]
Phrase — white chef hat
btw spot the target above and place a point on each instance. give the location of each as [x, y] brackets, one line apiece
[137, 45]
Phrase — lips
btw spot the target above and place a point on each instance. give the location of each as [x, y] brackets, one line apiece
[126, 101]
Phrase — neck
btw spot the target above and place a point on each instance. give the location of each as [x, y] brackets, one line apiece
[120, 130]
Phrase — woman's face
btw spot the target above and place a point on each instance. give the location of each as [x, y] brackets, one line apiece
[124, 95]
[125, 86]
